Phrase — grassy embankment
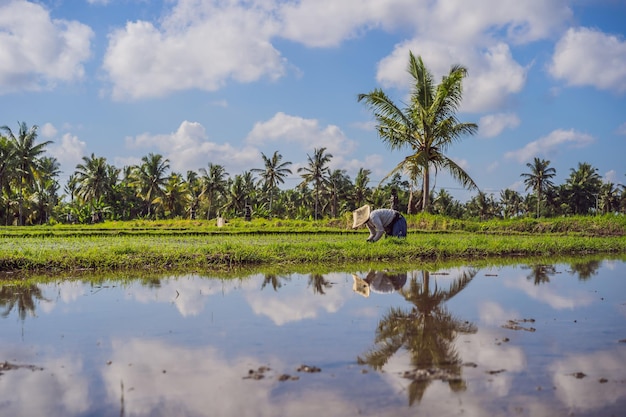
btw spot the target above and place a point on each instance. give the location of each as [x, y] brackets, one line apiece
[201, 245]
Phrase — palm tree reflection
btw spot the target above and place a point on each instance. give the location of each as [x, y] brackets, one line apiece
[427, 331]
[586, 270]
[23, 297]
[273, 280]
[319, 283]
[540, 274]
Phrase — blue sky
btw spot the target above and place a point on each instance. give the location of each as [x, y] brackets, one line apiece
[222, 81]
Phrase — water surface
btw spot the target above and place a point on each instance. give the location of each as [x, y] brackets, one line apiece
[526, 340]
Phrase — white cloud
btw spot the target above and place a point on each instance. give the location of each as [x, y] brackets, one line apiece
[197, 46]
[48, 130]
[189, 149]
[367, 126]
[220, 103]
[69, 151]
[493, 124]
[36, 51]
[493, 74]
[550, 144]
[588, 57]
[479, 20]
[581, 395]
[168, 380]
[61, 388]
[307, 133]
[477, 36]
[204, 45]
[610, 176]
[555, 296]
[328, 23]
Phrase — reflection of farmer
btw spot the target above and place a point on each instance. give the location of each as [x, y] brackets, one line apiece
[378, 281]
[379, 222]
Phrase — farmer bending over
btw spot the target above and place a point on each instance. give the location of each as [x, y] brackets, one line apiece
[379, 222]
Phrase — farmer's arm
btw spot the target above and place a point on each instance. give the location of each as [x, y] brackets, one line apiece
[376, 227]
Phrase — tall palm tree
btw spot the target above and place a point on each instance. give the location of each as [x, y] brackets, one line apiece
[272, 174]
[46, 187]
[213, 183]
[317, 172]
[608, 198]
[236, 196]
[194, 188]
[539, 179]
[361, 191]
[443, 202]
[336, 190]
[150, 178]
[511, 203]
[583, 187]
[175, 196]
[91, 178]
[7, 170]
[26, 154]
[428, 126]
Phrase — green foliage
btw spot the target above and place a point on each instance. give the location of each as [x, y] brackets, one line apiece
[201, 244]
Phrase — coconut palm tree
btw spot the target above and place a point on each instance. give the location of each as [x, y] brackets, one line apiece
[150, 178]
[427, 126]
[194, 188]
[273, 174]
[236, 195]
[336, 191]
[539, 179]
[7, 170]
[91, 178]
[582, 188]
[317, 172]
[26, 154]
[609, 198]
[46, 187]
[213, 184]
[175, 196]
[511, 203]
[361, 191]
[443, 202]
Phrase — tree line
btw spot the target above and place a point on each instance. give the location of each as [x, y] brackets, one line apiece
[96, 190]
[426, 128]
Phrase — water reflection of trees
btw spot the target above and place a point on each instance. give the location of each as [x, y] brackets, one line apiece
[273, 280]
[319, 283]
[427, 331]
[586, 270]
[541, 273]
[22, 297]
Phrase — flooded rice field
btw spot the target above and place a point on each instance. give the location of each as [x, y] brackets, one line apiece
[523, 340]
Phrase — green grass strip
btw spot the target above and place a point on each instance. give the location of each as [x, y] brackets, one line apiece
[235, 250]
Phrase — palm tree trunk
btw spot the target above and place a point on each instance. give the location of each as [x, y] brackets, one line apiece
[426, 190]
[538, 201]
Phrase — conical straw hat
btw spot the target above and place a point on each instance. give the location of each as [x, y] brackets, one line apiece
[360, 216]
[360, 286]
